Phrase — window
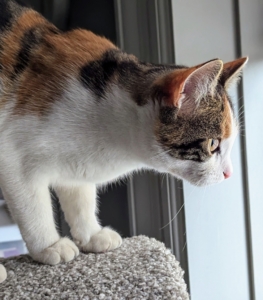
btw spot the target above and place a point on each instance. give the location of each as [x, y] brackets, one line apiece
[223, 223]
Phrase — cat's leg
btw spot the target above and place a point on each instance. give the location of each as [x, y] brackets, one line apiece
[30, 205]
[79, 206]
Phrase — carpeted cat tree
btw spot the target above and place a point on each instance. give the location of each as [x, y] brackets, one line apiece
[142, 268]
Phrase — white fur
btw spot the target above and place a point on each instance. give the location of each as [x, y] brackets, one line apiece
[81, 143]
[2, 273]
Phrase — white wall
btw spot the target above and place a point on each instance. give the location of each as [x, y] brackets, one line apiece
[215, 217]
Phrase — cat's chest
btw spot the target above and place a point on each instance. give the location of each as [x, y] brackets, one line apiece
[98, 172]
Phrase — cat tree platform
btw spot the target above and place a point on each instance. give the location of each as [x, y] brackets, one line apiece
[142, 268]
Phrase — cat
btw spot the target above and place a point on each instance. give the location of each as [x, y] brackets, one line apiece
[76, 113]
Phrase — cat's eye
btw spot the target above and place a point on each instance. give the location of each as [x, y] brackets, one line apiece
[213, 145]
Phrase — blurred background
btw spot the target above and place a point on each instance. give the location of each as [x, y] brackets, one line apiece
[216, 232]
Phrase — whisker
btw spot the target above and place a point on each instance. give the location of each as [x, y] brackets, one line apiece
[173, 217]
[184, 246]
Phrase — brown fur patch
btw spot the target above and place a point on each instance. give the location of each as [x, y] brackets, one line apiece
[56, 57]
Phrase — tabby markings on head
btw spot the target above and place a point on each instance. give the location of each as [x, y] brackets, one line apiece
[187, 137]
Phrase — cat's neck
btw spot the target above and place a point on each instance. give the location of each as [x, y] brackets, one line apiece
[132, 125]
[115, 126]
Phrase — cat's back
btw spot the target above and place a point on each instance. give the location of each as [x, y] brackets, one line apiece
[37, 59]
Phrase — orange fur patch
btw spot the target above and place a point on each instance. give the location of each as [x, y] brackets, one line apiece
[227, 120]
[11, 41]
[57, 58]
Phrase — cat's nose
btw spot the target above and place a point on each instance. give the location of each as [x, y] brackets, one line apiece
[227, 174]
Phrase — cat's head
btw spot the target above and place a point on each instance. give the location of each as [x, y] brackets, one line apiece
[196, 128]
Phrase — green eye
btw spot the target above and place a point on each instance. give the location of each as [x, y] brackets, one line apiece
[213, 145]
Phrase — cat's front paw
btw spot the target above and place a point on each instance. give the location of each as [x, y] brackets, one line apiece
[63, 250]
[105, 240]
[2, 273]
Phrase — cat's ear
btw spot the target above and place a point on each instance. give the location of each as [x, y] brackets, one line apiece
[232, 71]
[183, 88]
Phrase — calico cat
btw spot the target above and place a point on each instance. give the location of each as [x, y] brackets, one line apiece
[76, 112]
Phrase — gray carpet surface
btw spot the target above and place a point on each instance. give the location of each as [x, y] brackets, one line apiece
[142, 268]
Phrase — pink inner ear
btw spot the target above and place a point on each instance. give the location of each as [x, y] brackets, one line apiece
[186, 94]
[175, 86]
[189, 83]
[178, 95]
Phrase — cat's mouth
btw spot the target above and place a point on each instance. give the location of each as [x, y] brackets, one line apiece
[203, 183]
[197, 179]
